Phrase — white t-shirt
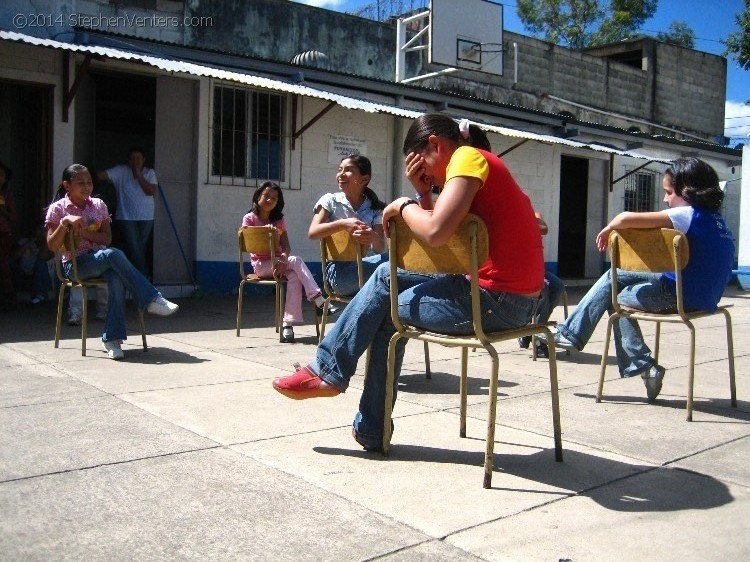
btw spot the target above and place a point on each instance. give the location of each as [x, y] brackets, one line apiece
[132, 203]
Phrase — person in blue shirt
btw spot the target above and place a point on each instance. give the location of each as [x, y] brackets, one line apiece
[693, 196]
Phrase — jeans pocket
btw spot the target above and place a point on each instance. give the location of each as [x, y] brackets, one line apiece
[505, 311]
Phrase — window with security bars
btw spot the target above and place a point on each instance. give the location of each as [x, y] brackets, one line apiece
[247, 134]
[639, 191]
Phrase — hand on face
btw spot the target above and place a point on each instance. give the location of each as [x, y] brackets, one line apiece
[416, 173]
[136, 162]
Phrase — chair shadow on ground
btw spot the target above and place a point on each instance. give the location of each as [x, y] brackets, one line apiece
[612, 484]
[154, 355]
[445, 383]
[715, 406]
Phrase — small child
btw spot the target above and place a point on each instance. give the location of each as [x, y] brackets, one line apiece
[268, 204]
[88, 218]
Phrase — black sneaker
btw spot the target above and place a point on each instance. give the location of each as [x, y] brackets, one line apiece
[524, 342]
[653, 379]
[287, 334]
[541, 349]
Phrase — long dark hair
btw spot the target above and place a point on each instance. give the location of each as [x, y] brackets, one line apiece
[276, 213]
[696, 182]
[68, 174]
[442, 126]
[363, 164]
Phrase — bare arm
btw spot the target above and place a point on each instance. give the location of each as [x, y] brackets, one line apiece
[147, 187]
[437, 226]
[56, 235]
[543, 228]
[657, 219]
[320, 227]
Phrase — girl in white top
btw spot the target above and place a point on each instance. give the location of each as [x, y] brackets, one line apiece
[357, 209]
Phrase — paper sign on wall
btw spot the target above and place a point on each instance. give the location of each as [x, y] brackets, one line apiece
[340, 146]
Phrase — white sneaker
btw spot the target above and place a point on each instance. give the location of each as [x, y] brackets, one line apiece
[564, 343]
[161, 306]
[101, 314]
[75, 319]
[113, 349]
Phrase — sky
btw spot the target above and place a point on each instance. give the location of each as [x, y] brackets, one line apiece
[710, 20]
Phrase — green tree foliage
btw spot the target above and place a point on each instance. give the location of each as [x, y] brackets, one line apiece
[585, 23]
[679, 33]
[738, 43]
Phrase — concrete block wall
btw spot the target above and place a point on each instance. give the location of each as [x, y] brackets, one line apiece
[690, 89]
[59, 17]
[279, 29]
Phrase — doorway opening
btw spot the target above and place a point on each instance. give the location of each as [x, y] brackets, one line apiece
[574, 186]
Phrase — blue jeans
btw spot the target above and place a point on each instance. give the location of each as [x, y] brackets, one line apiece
[136, 238]
[441, 303]
[639, 290]
[551, 296]
[121, 275]
[343, 276]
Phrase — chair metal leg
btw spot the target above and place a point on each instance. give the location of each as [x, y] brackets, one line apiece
[389, 379]
[489, 455]
[427, 371]
[730, 353]
[656, 342]
[463, 388]
[84, 320]
[279, 310]
[60, 299]
[691, 376]
[605, 353]
[323, 320]
[143, 330]
[556, 427]
[239, 307]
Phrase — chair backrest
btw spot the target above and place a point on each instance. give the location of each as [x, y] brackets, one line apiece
[256, 240]
[463, 253]
[68, 245]
[413, 254]
[340, 246]
[656, 250]
[652, 250]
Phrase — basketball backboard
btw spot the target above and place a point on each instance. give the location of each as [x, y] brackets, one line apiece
[467, 34]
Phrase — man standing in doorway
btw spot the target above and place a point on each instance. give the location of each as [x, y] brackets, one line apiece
[135, 186]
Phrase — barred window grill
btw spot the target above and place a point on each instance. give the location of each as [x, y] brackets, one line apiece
[247, 136]
[639, 192]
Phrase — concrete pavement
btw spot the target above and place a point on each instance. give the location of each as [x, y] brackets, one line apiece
[186, 452]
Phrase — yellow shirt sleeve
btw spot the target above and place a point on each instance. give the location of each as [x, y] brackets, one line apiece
[469, 162]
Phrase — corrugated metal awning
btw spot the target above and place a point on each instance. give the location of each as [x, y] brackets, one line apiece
[348, 102]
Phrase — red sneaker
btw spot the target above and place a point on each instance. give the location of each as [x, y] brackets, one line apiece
[304, 384]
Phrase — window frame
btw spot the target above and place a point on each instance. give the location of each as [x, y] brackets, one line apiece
[284, 154]
[631, 182]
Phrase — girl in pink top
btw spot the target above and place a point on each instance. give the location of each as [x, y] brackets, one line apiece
[268, 204]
